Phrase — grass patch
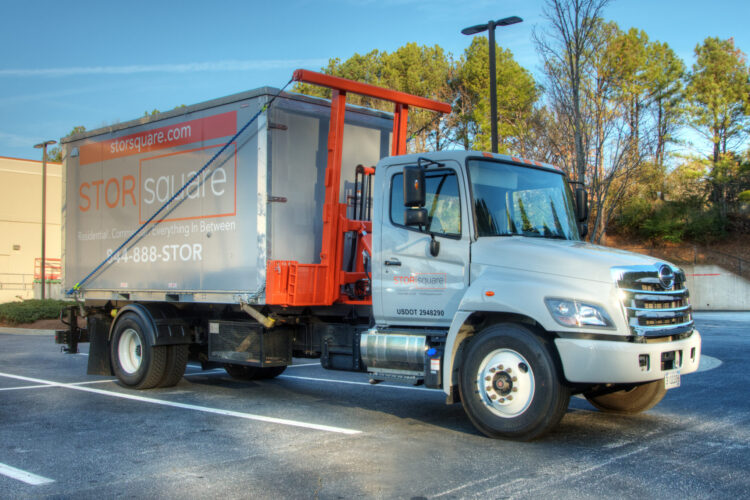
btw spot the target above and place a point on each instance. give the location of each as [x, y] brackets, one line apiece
[28, 311]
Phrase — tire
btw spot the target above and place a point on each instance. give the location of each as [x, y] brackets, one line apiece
[629, 401]
[509, 384]
[241, 372]
[270, 372]
[136, 362]
[177, 358]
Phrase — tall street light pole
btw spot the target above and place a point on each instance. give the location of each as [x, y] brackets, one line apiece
[43, 146]
[491, 25]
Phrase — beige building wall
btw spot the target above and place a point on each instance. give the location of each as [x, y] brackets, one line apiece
[21, 223]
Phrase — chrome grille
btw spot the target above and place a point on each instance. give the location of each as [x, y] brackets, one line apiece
[655, 306]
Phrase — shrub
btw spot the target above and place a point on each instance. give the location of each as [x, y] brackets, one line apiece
[671, 221]
[705, 226]
[28, 311]
[633, 213]
[665, 224]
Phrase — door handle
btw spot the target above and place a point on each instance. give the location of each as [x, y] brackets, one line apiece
[393, 262]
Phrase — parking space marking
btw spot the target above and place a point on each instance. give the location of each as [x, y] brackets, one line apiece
[23, 476]
[351, 382]
[43, 386]
[196, 365]
[25, 387]
[328, 380]
[184, 406]
[708, 363]
[205, 372]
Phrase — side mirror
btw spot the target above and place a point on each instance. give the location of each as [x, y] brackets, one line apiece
[582, 204]
[415, 217]
[414, 189]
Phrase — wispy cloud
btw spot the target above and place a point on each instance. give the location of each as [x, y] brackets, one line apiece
[215, 66]
[17, 141]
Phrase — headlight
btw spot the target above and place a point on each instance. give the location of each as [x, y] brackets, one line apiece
[575, 313]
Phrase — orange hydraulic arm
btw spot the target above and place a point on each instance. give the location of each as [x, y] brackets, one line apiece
[290, 283]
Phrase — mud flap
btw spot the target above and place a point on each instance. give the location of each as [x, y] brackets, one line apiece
[99, 362]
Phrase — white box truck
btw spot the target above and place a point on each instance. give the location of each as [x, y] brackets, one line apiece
[246, 231]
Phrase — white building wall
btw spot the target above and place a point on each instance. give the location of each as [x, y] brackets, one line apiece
[21, 223]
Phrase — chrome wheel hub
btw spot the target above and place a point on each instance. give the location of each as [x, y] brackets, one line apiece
[129, 351]
[505, 383]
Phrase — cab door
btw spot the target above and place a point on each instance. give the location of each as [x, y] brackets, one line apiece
[415, 286]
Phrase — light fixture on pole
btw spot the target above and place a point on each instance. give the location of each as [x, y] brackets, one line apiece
[490, 26]
[43, 146]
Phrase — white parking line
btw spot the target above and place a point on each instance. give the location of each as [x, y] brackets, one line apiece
[329, 380]
[205, 372]
[23, 476]
[205, 409]
[48, 385]
[350, 382]
[197, 365]
[25, 387]
[708, 363]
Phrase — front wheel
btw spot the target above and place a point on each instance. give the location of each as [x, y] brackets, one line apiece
[629, 401]
[509, 384]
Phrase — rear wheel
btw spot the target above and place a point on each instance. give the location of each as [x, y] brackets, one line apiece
[509, 384]
[177, 358]
[136, 362]
[629, 401]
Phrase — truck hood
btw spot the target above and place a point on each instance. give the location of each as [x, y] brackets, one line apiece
[574, 259]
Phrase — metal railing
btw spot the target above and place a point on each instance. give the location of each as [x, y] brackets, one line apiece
[16, 281]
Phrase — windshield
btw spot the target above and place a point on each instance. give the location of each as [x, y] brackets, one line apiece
[510, 200]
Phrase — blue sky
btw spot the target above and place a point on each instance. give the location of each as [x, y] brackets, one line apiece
[95, 63]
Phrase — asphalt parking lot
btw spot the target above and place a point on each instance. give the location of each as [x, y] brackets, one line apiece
[313, 433]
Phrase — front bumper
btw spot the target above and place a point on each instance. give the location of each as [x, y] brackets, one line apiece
[612, 362]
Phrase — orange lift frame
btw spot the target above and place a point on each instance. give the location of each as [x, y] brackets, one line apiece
[290, 283]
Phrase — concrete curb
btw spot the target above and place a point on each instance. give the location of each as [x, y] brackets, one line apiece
[25, 331]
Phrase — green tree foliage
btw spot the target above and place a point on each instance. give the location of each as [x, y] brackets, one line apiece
[616, 101]
[517, 93]
[418, 70]
[610, 114]
[664, 72]
[719, 94]
[430, 72]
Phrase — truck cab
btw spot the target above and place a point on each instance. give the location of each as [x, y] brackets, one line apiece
[481, 255]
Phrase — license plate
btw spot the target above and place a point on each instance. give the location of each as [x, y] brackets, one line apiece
[672, 380]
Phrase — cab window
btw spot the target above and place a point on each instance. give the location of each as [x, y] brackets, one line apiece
[442, 203]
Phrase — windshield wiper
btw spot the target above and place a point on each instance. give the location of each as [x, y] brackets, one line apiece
[546, 236]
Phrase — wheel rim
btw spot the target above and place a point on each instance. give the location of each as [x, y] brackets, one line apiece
[505, 383]
[129, 351]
